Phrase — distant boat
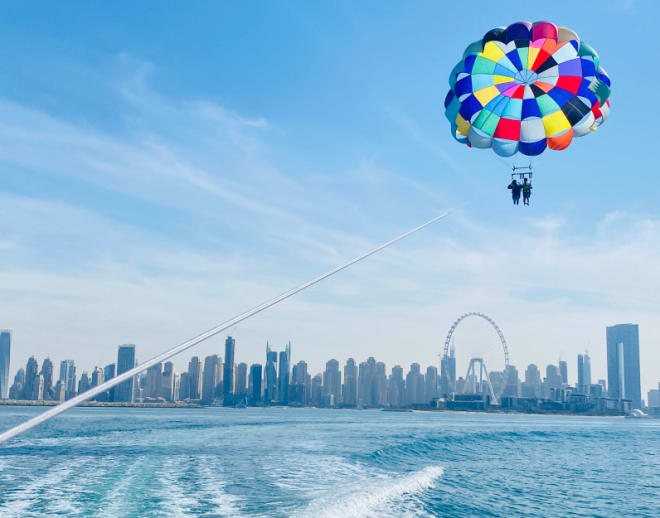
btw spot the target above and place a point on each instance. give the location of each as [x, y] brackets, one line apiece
[636, 414]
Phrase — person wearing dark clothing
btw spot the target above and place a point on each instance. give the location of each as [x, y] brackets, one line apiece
[515, 191]
[526, 190]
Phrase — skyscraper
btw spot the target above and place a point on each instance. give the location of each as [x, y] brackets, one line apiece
[228, 374]
[154, 377]
[332, 383]
[167, 382]
[241, 380]
[653, 398]
[380, 384]
[298, 390]
[97, 379]
[5, 356]
[623, 371]
[31, 386]
[512, 384]
[396, 388]
[184, 387]
[532, 385]
[365, 383]
[68, 378]
[349, 390]
[270, 375]
[47, 373]
[563, 370]
[414, 385]
[254, 395]
[124, 392]
[210, 377]
[16, 390]
[448, 373]
[317, 390]
[109, 373]
[584, 373]
[431, 379]
[83, 384]
[552, 381]
[283, 375]
[195, 378]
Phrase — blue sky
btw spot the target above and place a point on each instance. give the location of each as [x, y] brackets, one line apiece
[166, 165]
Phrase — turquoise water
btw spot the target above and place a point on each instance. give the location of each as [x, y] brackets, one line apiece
[312, 463]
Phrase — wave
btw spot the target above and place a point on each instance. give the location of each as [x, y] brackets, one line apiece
[412, 447]
[20, 503]
[376, 496]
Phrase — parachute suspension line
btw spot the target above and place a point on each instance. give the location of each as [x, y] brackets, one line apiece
[508, 164]
[62, 407]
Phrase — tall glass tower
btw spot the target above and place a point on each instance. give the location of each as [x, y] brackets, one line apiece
[125, 361]
[68, 378]
[228, 374]
[5, 350]
[584, 373]
[284, 373]
[623, 363]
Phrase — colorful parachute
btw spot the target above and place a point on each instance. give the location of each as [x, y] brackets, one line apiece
[527, 87]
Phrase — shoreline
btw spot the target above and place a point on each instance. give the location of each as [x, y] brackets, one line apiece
[44, 403]
[180, 404]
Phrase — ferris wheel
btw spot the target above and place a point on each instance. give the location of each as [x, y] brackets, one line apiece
[450, 334]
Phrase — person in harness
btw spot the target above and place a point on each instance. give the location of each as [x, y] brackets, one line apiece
[515, 191]
[526, 190]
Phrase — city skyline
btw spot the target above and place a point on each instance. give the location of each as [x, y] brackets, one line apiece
[283, 382]
[489, 351]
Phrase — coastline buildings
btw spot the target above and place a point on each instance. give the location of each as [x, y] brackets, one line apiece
[240, 386]
[283, 375]
[584, 373]
[68, 378]
[5, 356]
[365, 386]
[331, 384]
[168, 382]
[623, 371]
[124, 392]
[211, 377]
[254, 384]
[228, 373]
[194, 388]
[563, 370]
[299, 391]
[448, 373]
[109, 373]
[653, 400]
[531, 387]
[350, 386]
[270, 375]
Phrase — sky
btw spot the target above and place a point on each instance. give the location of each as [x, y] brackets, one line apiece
[167, 165]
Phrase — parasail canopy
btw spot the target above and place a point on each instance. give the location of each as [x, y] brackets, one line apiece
[525, 88]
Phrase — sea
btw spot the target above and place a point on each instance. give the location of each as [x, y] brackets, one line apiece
[287, 462]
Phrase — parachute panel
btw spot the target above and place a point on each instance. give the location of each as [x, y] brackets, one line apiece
[525, 88]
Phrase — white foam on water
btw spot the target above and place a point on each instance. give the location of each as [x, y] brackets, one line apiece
[64, 497]
[313, 474]
[374, 498]
[18, 504]
[176, 501]
[114, 502]
[213, 486]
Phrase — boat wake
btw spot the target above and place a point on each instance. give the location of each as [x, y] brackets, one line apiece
[377, 497]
